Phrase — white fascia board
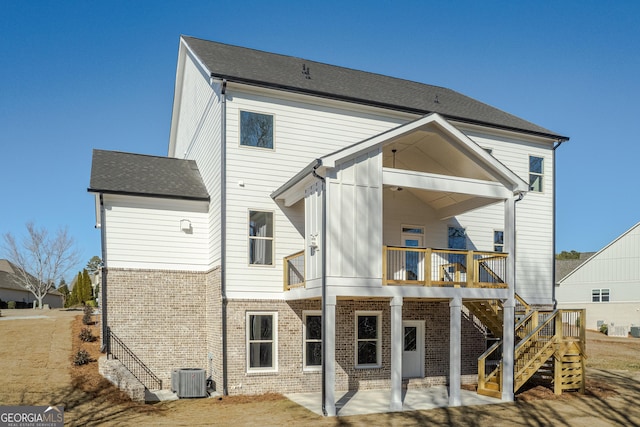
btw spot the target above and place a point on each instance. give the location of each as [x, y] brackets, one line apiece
[444, 183]
[495, 167]
[354, 150]
[462, 142]
[295, 193]
[98, 210]
[183, 51]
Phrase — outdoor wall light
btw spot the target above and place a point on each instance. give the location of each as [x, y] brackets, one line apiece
[185, 225]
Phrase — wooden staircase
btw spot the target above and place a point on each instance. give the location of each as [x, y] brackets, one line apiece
[550, 344]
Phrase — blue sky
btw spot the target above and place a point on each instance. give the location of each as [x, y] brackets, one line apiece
[78, 75]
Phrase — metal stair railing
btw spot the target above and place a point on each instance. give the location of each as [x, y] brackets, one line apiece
[116, 349]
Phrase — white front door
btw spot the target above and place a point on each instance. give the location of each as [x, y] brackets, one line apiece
[413, 349]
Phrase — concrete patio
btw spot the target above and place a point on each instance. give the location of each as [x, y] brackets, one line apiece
[378, 401]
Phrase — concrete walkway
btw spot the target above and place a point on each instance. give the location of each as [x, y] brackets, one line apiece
[377, 401]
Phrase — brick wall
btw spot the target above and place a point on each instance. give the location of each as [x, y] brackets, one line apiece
[161, 316]
[291, 378]
[172, 319]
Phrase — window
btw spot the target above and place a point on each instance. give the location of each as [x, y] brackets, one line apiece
[457, 239]
[536, 170]
[498, 241]
[256, 130]
[262, 351]
[600, 295]
[368, 339]
[260, 238]
[312, 330]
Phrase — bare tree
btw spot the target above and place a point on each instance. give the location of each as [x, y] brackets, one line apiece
[41, 259]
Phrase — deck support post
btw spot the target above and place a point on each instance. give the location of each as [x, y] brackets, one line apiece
[509, 320]
[455, 356]
[396, 353]
[329, 360]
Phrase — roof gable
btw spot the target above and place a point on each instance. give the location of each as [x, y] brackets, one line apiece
[624, 244]
[244, 65]
[136, 174]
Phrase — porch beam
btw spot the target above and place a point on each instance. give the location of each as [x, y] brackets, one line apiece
[445, 183]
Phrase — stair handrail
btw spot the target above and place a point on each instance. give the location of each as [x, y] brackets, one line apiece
[131, 362]
[523, 303]
[483, 378]
[527, 339]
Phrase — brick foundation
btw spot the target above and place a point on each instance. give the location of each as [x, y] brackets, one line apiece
[172, 319]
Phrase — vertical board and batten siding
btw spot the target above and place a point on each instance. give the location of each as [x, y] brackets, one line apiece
[354, 221]
[313, 227]
[144, 233]
[303, 131]
[198, 137]
[616, 267]
[534, 215]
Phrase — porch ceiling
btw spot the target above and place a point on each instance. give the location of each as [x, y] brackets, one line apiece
[435, 154]
[432, 152]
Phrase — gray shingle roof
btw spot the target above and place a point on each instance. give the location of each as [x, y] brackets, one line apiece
[8, 280]
[137, 174]
[288, 73]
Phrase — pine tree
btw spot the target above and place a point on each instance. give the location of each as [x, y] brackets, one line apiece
[86, 286]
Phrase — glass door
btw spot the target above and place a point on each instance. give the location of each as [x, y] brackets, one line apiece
[413, 237]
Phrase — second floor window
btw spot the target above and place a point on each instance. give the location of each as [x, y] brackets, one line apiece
[256, 130]
[536, 171]
[260, 238]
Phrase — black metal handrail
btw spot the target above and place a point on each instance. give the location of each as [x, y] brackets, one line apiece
[118, 350]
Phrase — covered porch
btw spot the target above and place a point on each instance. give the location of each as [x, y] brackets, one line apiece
[376, 216]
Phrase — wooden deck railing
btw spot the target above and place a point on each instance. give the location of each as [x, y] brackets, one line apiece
[539, 336]
[294, 271]
[423, 266]
[443, 267]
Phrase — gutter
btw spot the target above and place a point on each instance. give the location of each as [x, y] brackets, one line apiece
[379, 104]
[103, 286]
[223, 235]
[553, 206]
[323, 246]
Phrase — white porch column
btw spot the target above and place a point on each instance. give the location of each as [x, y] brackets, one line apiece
[508, 345]
[508, 340]
[329, 360]
[455, 358]
[396, 353]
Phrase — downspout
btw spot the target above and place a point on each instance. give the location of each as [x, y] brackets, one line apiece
[323, 241]
[103, 286]
[223, 233]
[553, 206]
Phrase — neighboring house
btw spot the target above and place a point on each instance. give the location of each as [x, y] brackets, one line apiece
[10, 290]
[317, 228]
[566, 266]
[607, 285]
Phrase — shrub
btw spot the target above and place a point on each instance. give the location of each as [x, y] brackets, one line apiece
[604, 328]
[81, 358]
[11, 305]
[86, 335]
[91, 303]
[87, 319]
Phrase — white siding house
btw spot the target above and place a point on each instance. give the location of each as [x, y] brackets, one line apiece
[607, 285]
[332, 212]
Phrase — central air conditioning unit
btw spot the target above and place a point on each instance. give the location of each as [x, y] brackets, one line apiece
[189, 382]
